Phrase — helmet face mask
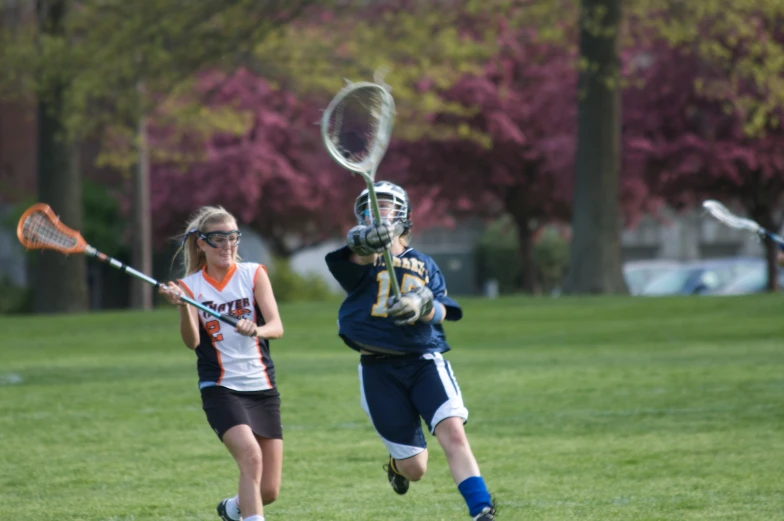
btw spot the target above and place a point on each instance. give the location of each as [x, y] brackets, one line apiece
[392, 201]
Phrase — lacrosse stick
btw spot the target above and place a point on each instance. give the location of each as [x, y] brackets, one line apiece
[40, 229]
[720, 212]
[356, 128]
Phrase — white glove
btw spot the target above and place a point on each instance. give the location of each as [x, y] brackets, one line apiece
[367, 240]
[411, 306]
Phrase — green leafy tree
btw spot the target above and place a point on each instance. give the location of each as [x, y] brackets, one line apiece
[741, 41]
[425, 47]
[93, 65]
[689, 146]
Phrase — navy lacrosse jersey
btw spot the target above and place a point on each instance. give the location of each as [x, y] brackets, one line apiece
[363, 320]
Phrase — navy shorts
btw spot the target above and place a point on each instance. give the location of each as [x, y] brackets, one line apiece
[260, 410]
[397, 393]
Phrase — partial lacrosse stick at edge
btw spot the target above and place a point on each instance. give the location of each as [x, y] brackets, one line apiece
[724, 215]
[40, 229]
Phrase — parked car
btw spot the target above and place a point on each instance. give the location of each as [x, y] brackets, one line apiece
[754, 281]
[700, 277]
[639, 274]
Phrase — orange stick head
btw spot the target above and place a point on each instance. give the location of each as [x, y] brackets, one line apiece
[40, 229]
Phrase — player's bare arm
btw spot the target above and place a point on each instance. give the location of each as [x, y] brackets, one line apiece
[273, 326]
[189, 321]
[189, 327]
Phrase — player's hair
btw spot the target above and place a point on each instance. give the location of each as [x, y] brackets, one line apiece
[193, 259]
[405, 239]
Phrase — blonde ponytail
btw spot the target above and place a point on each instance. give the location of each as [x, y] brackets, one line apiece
[193, 258]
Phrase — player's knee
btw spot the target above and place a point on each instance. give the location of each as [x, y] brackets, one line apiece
[456, 440]
[418, 474]
[250, 463]
[451, 435]
[415, 473]
[413, 469]
[269, 494]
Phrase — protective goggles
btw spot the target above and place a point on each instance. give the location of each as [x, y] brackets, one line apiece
[221, 239]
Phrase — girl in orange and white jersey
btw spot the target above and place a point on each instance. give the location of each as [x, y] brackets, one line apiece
[236, 372]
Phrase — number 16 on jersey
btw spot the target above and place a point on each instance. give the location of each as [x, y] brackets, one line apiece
[408, 283]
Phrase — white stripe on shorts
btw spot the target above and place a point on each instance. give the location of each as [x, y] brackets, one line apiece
[453, 407]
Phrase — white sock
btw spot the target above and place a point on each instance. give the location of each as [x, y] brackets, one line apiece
[233, 507]
[253, 518]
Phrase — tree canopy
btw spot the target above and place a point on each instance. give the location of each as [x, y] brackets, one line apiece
[689, 145]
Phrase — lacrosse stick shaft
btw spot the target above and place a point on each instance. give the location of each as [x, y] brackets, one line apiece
[92, 252]
[778, 239]
[374, 207]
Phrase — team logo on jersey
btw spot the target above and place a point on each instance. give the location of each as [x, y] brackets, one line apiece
[407, 263]
[239, 308]
[240, 313]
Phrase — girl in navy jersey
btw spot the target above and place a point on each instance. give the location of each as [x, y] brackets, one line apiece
[236, 373]
[403, 375]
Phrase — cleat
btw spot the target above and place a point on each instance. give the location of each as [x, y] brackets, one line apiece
[488, 514]
[398, 482]
[222, 511]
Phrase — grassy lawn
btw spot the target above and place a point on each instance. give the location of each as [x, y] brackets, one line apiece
[581, 409]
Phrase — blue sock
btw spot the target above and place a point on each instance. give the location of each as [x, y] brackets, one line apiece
[475, 493]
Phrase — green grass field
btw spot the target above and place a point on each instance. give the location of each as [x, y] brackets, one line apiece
[581, 409]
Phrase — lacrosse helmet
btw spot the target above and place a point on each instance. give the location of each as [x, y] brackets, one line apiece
[385, 191]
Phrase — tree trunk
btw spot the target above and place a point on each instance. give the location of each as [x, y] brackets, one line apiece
[516, 207]
[595, 254]
[141, 292]
[525, 237]
[761, 213]
[771, 255]
[60, 281]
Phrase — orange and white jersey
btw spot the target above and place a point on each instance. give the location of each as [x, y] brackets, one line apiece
[225, 357]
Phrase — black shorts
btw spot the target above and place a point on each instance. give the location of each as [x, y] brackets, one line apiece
[260, 410]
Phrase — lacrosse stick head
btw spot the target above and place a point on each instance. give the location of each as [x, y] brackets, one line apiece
[357, 125]
[40, 229]
[722, 213]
